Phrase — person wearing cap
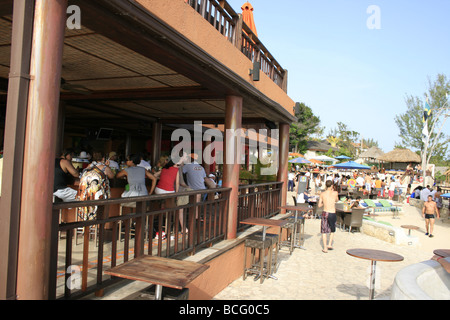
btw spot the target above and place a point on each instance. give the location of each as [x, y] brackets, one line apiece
[144, 164]
[63, 170]
[112, 161]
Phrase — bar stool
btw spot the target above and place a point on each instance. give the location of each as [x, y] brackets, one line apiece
[292, 228]
[255, 242]
[127, 205]
[273, 254]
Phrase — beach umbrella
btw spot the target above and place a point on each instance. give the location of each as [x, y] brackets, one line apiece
[343, 158]
[299, 160]
[315, 161]
[446, 195]
[247, 16]
[295, 154]
[350, 165]
[324, 158]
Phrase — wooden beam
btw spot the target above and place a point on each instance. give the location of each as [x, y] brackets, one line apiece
[175, 93]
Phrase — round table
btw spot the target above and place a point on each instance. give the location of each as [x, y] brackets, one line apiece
[410, 227]
[374, 256]
[442, 252]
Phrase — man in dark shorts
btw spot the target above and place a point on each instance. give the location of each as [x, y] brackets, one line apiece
[328, 200]
[428, 211]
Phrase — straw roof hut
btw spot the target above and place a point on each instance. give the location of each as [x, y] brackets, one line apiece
[400, 158]
[372, 153]
[401, 155]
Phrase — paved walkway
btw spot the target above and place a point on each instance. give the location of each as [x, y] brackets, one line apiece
[314, 275]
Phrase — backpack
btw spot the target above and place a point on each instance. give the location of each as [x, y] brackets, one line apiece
[94, 185]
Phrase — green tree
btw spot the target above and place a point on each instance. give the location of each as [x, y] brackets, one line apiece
[344, 138]
[307, 125]
[411, 124]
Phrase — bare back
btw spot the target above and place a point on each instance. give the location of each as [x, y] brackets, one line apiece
[328, 200]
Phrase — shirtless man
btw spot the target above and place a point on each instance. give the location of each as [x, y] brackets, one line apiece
[428, 211]
[328, 200]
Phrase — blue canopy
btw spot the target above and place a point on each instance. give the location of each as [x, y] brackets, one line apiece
[446, 195]
[299, 160]
[342, 158]
[350, 165]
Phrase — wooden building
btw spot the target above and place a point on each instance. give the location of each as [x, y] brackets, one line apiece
[138, 67]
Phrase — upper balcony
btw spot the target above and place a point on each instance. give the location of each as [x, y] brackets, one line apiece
[230, 24]
[217, 29]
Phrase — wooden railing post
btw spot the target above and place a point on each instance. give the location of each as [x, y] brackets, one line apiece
[238, 32]
[139, 231]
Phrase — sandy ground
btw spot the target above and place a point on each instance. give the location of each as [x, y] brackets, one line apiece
[314, 275]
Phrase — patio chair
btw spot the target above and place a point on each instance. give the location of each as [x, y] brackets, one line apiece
[354, 219]
[318, 212]
[339, 220]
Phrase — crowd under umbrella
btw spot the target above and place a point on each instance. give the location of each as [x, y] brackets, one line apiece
[350, 165]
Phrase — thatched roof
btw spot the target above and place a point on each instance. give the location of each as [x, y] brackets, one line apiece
[401, 155]
[373, 152]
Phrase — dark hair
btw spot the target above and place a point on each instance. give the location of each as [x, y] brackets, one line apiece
[329, 183]
[135, 158]
[169, 164]
[67, 152]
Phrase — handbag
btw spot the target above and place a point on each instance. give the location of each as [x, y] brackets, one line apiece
[183, 200]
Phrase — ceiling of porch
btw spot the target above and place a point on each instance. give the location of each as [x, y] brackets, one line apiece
[108, 84]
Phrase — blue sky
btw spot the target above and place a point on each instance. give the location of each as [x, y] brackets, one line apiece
[349, 73]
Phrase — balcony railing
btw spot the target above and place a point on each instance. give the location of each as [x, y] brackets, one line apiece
[260, 200]
[82, 250]
[222, 17]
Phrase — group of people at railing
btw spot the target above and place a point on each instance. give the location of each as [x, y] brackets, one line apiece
[94, 180]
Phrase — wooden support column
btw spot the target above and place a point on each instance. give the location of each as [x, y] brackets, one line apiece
[233, 121]
[39, 152]
[283, 158]
[156, 143]
[14, 140]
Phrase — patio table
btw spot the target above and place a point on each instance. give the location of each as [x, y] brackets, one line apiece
[160, 271]
[374, 256]
[265, 223]
[410, 227]
[442, 252]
